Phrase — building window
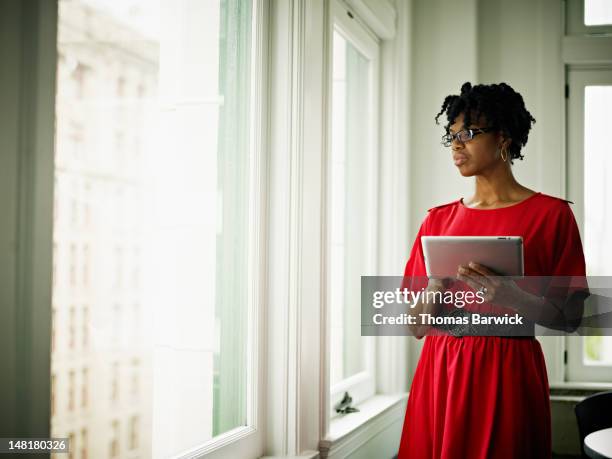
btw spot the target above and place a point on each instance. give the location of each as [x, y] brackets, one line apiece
[73, 257]
[86, 264]
[85, 325]
[80, 78]
[83, 443]
[135, 383]
[85, 384]
[72, 442]
[114, 446]
[134, 426]
[72, 328]
[120, 87]
[71, 383]
[115, 382]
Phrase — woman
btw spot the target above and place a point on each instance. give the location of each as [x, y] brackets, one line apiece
[482, 397]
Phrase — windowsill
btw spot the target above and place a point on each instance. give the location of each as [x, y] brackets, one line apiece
[585, 386]
[574, 392]
[304, 455]
[374, 415]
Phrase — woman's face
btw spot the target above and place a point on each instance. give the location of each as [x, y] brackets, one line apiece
[478, 154]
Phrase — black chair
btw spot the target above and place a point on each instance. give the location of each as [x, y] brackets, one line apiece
[593, 413]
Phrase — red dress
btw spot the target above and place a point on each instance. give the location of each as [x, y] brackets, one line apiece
[478, 397]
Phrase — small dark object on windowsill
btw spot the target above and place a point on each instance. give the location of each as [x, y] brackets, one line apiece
[344, 406]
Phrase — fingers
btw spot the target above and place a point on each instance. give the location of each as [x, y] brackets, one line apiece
[472, 274]
[483, 274]
[471, 281]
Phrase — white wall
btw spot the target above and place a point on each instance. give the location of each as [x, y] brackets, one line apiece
[519, 42]
[444, 37]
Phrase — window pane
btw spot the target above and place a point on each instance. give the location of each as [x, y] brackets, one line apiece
[597, 186]
[151, 224]
[597, 203]
[351, 217]
[597, 12]
[598, 350]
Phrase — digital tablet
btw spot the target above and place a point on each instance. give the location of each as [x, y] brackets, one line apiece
[444, 254]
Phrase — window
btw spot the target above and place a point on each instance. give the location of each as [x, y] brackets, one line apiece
[158, 167]
[86, 263]
[135, 382]
[71, 389]
[72, 442]
[114, 444]
[133, 444]
[73, 268]
[115, 383]
[84, 388]
[588, 17]
[590, 95]
[353, 197]
[83, 443]
[72, 328]
[597, 12]
[85, 326]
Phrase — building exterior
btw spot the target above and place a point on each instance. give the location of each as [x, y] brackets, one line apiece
[101, 366]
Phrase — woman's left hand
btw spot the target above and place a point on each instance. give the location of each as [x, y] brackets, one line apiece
[497, 289]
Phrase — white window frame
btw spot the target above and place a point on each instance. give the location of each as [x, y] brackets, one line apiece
[28, 160]
[574, 20]
[242, 441]
[583, 49]
[578, 78]
[361, 385]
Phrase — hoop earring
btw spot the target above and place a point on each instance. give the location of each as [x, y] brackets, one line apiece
[504, 155]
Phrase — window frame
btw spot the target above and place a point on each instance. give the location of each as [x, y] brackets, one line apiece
[574, 20]
[578, 77]
[30, 157]
[362, 385]
[241, 441]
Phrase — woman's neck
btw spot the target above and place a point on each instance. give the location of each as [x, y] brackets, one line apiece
[498, 187]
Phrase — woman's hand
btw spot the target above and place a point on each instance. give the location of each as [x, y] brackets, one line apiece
[497, 289]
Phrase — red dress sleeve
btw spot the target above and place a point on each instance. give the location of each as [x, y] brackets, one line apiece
[415, 274]
[568, 268]
[568, 256]
[415, 266]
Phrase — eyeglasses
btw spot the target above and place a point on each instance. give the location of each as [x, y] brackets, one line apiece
[463, 136]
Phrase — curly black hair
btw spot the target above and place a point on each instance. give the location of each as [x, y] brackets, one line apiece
[503, 108]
